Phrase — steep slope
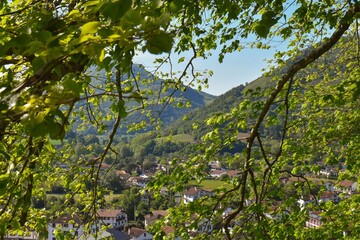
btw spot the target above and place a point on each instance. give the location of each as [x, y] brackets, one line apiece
[221, 104]
[163, 106]
[236, 95]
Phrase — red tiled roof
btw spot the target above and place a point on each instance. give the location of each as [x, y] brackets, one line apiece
[232, 173]
[104, 165]
[316, 212]
[194, 190]
[167, 230]
[155, 215]
[109, 212]
[121, 172]
[216, 171]
[328, 194]
[345, 183]
[67, 219]
[136, 232]
[160, 212]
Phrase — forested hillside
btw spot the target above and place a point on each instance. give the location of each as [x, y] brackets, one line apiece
[163, 106]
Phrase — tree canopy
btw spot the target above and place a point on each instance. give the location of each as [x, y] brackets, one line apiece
[48, 53]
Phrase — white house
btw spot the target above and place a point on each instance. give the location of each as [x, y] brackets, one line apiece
[154, 216]
[304, 200]
[215, 173]
[23, 235]
[205, 226]
[329, 172]
[347, 186]
[139, 234]
[69, 224]
[330, 196]
[314, 220]
[195, 193]
[111, 217]
[139, 181]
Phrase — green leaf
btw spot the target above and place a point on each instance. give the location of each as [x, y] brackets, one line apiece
[50, 147]
[56, 131]
[261, 30]
[90, 27]
[102, 55]
[116, 10]
[37, 63]
[119, 107]
[70, 84]
[132, 17]
[268, 19]
[159, 43]
[137, 97]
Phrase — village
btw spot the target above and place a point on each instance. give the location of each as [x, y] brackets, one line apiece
[113, 223]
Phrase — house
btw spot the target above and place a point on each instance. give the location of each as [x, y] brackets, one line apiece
[111, 217]
[243, 137]
[195, 193]
[109, 234]
[139, 234]
[197, 226]
[347, 186]
[178, 198]
[123, 174]
[69, 224]
[215, 173]
[304, 200]
[205, 226]
[105, 166]
[329, 172]
[215, 165]
[275, 212]
[139, 181]
[169, 232]
[118, 235]
[314, 220]
[329, 186]
[330, 196]
[23, 235]
[154, 216]
[234, 223]
[233, 173]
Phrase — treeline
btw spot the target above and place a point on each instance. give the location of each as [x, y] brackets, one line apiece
[130, 153]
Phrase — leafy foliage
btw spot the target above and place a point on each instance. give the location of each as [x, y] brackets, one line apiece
[48, 47]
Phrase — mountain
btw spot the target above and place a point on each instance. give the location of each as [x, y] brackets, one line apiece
[164, 106]
[225, 102]
[222, 104]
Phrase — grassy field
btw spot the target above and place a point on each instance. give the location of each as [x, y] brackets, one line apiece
[177, 138]
[210, 184]
[109, 198]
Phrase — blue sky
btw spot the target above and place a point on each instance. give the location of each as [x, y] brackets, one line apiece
[237, 68]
